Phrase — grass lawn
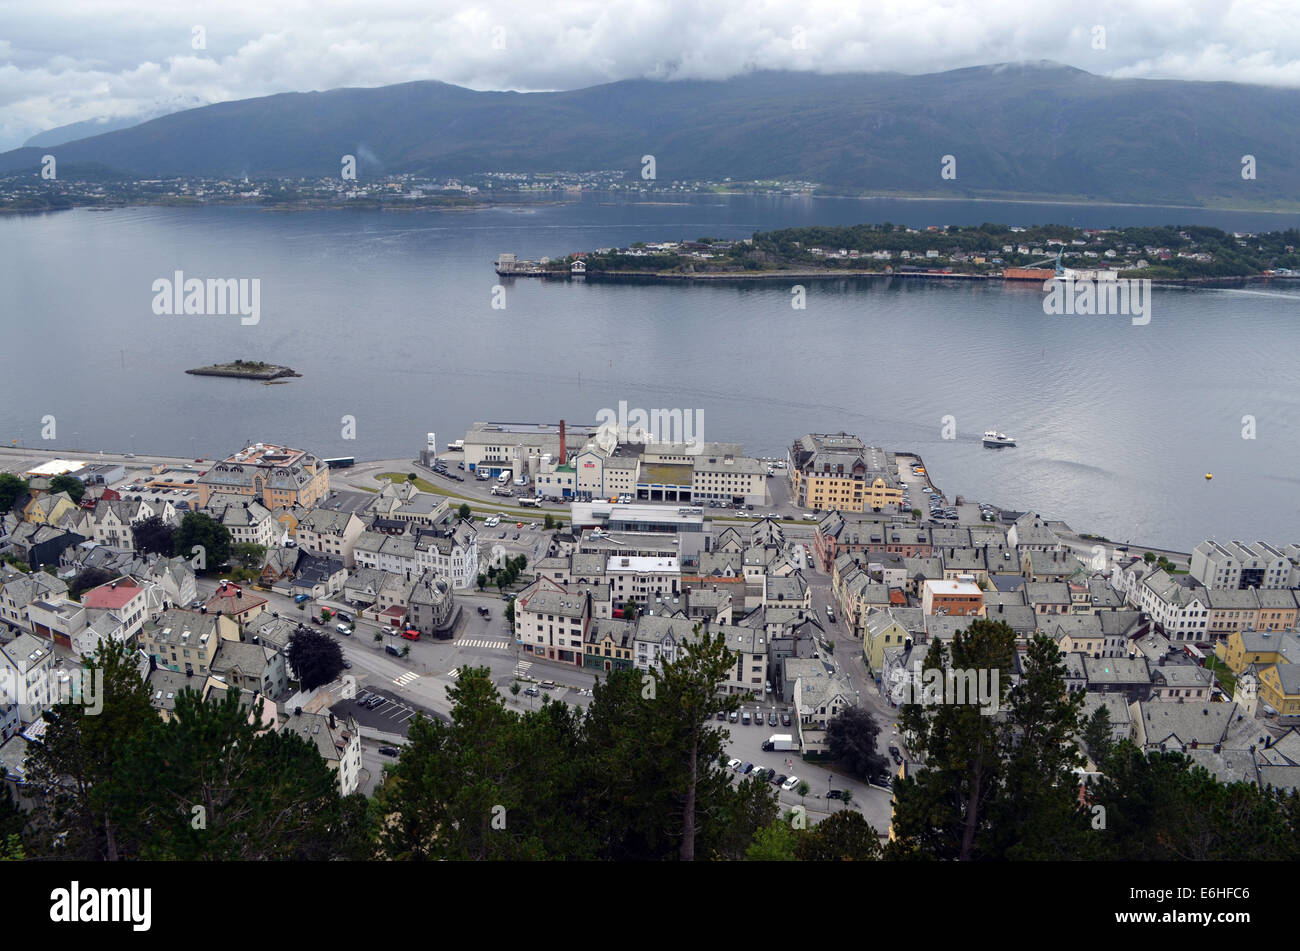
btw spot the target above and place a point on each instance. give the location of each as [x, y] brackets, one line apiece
[477, 505]
[1227, 679]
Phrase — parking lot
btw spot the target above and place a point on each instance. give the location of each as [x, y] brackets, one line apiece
[826, 783]
[378, 711]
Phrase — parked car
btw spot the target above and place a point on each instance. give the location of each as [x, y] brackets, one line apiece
[733, 764]
[316, 620]
[768, 774]
[734, 716]
[746, 769]
[195, 605]
[343, 629]
[532, 692]
[778, 779]
[390, 649]
[347, 664]
[898, 756]
[790, 783]
[785, 718]
[744, 718]
[835, 794]
[301, 598]
[344, 616]
[722, 715]
[387, 751]
[771, 719]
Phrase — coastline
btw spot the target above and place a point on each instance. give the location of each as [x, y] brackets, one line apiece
[143, 457]
[817, 274]
[256, 371]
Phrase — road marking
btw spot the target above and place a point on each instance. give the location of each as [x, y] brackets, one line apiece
[454, 673]
[406, 678]
[495, 645]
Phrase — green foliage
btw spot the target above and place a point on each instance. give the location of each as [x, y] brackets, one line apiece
[316, 657]
[80, 754]
[845, 836]
[636, 776]
[199, 529]
[75, 488]
[510, 612]
[1159, 807]
[775, 842]
[153, 535]
[86, 579]
[206, 785]
[851, 739]
[943, 808]
[464, 511]
[11, 488]
[249, 555]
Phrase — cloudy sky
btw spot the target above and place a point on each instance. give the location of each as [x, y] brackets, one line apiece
[64, 61]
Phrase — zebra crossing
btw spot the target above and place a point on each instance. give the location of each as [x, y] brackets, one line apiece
[406, 678]
[479, 642]
[454, 673]
[521, 668]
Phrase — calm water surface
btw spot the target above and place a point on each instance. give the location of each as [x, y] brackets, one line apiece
[389, 319]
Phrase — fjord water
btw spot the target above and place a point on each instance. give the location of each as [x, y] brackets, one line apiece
[388, 317]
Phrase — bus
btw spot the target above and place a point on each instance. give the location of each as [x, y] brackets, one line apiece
[342, 462]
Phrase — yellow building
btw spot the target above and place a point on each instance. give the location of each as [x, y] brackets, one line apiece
[838, 471]
[48, 509]
[276, 476]
[1240, 649]
[1279, 687]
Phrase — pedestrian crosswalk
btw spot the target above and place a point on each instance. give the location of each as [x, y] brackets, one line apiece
[521, 668]
[406, 678]
[479, 642]
[454, 673]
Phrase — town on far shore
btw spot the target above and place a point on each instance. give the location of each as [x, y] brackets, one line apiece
[1167, 254]
[554, 553]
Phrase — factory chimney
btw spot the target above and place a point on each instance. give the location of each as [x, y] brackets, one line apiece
[561, 442]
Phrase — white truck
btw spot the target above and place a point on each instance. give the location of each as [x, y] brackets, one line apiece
[780, 741]
[503, 476]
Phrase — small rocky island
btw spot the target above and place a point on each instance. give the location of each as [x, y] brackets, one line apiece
[247, 369]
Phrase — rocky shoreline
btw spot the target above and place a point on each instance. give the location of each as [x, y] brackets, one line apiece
[246, 370]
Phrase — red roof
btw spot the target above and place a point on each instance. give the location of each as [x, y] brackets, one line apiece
[112, 596]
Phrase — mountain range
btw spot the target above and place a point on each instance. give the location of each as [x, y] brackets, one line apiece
[1024, 130]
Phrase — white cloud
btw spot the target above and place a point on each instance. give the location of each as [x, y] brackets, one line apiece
[66, 61]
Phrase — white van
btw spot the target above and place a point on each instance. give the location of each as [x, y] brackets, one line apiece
[504, 477]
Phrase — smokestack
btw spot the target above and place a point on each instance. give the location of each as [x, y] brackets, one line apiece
[561, 442]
